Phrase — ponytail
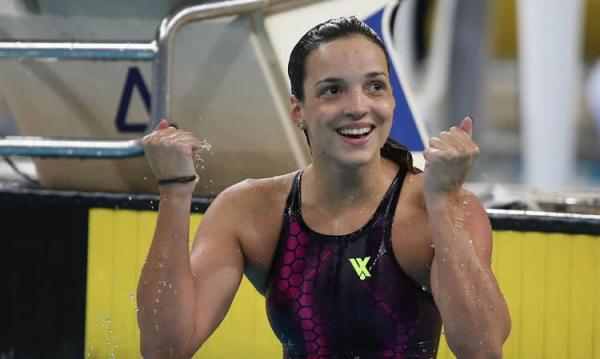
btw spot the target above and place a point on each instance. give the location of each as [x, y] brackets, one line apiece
[399, 154]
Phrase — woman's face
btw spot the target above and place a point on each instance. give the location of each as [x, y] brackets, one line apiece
[348, 103]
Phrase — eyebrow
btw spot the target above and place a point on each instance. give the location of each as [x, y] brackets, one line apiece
[376, 73]
[336, 79]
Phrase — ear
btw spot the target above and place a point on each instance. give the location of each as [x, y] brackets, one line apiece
[296, 111]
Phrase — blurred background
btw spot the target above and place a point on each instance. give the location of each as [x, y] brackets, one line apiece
[527, 72]
[77, 217]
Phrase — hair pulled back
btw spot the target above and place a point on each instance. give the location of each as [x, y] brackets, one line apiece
[324, 33]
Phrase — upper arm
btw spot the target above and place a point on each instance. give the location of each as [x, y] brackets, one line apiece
[477, 225]
[217, 263]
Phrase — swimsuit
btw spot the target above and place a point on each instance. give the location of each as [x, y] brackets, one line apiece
[346, 296]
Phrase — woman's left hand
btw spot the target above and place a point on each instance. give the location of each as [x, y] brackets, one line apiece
[449, 159]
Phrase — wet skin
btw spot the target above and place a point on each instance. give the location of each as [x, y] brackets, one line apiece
[346, 89]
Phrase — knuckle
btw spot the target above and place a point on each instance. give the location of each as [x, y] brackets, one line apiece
[434, 140]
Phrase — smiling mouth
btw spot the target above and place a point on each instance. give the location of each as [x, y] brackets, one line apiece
[355, 132]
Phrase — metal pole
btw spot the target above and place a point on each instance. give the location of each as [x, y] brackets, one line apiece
[45, 147]
[133, 51]
[161, 82]
[159, 50]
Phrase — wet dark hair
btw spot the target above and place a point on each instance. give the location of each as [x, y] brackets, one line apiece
[324, 33]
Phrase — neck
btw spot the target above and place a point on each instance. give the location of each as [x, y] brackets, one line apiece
[337, 185]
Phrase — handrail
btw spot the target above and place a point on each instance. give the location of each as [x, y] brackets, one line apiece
[158, 50]
[161, 79]
[53, 147]
[133, 50]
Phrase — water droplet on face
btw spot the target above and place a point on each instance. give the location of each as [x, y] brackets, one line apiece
[137, 309]
[156, 327]
[424, 288]
[157, 300]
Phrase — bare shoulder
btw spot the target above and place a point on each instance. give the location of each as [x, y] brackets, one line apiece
[411, 233]
[256, 194]
[414, 214]
[475, 215]
[410, 221]
[251, 213]
[413, 195]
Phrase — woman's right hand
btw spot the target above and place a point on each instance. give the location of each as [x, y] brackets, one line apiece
[171, 151]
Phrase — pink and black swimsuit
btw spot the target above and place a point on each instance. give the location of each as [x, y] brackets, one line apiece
[346, 296]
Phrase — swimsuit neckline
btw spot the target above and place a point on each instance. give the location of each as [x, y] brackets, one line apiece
[369, 224]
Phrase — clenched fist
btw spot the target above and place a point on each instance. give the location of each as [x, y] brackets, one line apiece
[171, 151]
[449, 159]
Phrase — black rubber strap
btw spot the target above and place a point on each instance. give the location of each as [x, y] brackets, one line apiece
[184, 179]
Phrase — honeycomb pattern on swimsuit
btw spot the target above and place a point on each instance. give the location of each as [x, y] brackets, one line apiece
[319, 307]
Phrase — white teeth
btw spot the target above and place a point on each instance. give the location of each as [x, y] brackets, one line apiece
[354, 131]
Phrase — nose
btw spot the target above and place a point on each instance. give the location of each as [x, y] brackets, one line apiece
[356, 106]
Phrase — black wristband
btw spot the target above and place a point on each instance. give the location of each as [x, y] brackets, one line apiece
[184, 179]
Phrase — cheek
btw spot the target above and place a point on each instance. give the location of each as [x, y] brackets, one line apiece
[386, 110]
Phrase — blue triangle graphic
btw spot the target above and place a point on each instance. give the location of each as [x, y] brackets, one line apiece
[404, 128]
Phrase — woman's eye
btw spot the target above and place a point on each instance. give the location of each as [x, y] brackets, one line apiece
[330, 91]
[376, 86]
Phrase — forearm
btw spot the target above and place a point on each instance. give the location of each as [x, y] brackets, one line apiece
[166, 293]
[474, 313]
